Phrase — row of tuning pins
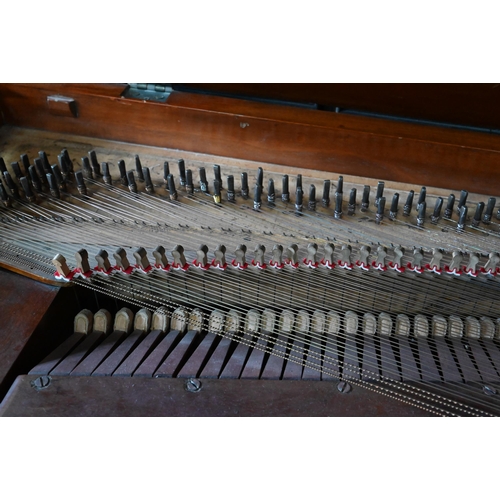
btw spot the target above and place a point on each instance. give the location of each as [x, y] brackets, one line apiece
[34, 179]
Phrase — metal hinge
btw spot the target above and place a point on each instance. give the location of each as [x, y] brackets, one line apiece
[157, 92]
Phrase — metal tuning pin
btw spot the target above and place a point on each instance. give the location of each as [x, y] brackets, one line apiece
[421, 197]
[379, 216]
[220, 257]
[123, 173]
[16, 169]
[257, 198]
[436, 215]
[421, 214]
[161, 261]
[171, 187]
[380, 192]
[311, 205]
[217, 175]
[166, 173]
[54, 188]
[35, 181]
[478, 215]
[30, 196]
[203, 180]
[299, 203]
[217, 195]
[62, 268]
[26, 165]
[338, 205]
[462, 219]
[3, 167]
[340, 185]
[298, 183]
[86, 168]
[285, 191]
[463, 199]
[365, 200]
[393, 211]
[11, 185]
[277, 260]
[138, 168]
[96, 168]
[82, 261]
[325, 201]
[106, 176]
[260, 178]
[121, 260]
[179, 258]
[61, 183]
[271, 193]
[351, 207]
[132, 186]
[202, 257]
[4, 197]
[80, 183]
[231, 195]
[409, 203]
[141, 260]
[67, 159]
[259, 257]
[244, 185]
[45, 161]
[40, 171]
[103, 264]
[147, 179]
[189, 182]
[63, 166]
[182, 173]
[489, 210]
[449, 206]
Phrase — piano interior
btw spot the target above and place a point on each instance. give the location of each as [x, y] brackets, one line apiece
[239, 251]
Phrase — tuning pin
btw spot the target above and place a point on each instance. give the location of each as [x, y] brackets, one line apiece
[82, 262]
[26, 165]
[166, 172]
[86, 168]
[17, 171]
[132, 186]
[462, 219]
[80, 183]
[67, 159]
[138, 168]
[325, 201]
[463, 199]
[489, 210]
[58, 177]
[477, 216]
[123, 173]
[203, 180]
[257, 198]
[3, 168]
[171, 187]
[338, 205]
[380, 192]
[201, 257]
[161, 258]
[449, 206]
[217, 175]
[141, 260]
[96, 168]
[393, 212]
[351, 207]
[62, 268]
[299, 200]
[35, 181]
[421, 197]
[106, 176]
[312, 198]
[285, 192]
[103, 264]
[182, 173]
[63, 166]
[30, 196]
[179, 258]
[379, 216]
[11, 185]
[231, 195]
[189, 182]
[216, 195]
[147, 178]
[40, 171]
[298, 183]
[437, 210]
[122, 262]
[4, 197]
[277, 260]
[271, 193]
[54, 188]
[244, 185]
[409, 203]
[365, 201]
[259, 258]
[421, 214]
[45, 161]
[220, 257]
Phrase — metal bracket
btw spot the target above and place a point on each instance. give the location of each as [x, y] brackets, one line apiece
[157, 92]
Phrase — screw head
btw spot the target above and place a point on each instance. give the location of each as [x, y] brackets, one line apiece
[344, 387]
[41, 382]
[193, 385]
[489, 391]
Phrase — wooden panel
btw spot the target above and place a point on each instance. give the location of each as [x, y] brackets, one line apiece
[283, 135]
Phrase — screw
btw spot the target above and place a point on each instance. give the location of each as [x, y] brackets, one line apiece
[489, 391]
[193, 385]
[41, 382]
[344, 387]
